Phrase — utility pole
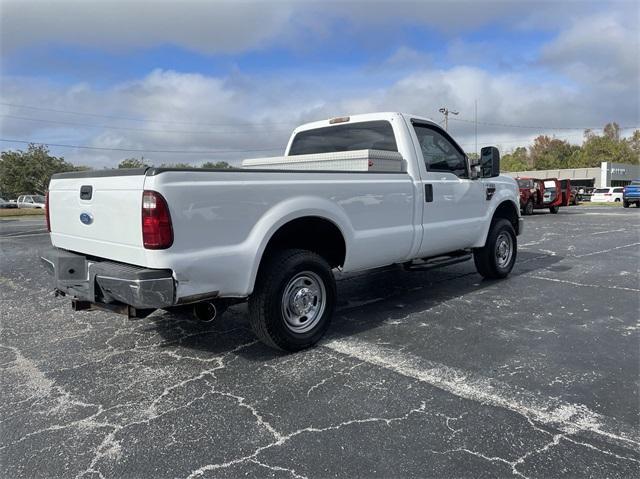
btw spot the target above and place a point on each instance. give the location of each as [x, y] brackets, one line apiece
[445, 111]
[475, 121]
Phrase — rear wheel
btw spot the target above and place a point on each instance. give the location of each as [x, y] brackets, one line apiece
[496, 258]
[293, 300]
[528, 208]
[625, 204]
[554, 209]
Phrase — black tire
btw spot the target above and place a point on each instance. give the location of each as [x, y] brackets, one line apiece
[267, 314]
[617, 200]
[625, 204]
[528, 208]
[554, 209]
[486, 258]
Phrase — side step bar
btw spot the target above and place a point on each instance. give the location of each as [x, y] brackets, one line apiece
[438, 261]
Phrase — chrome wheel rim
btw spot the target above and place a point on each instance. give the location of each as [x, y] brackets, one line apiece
[504, 249]
[303, 302]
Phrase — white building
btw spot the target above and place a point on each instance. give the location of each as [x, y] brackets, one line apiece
[609, 174]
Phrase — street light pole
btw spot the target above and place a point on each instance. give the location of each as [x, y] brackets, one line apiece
[445, 111]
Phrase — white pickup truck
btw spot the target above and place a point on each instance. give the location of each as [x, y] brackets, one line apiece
[133, 241]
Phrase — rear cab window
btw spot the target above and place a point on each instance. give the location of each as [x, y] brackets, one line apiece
[366, 135]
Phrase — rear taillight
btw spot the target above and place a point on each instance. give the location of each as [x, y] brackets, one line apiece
[46, 211]
[157, 232]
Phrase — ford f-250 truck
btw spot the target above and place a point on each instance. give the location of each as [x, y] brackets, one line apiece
[133, 241]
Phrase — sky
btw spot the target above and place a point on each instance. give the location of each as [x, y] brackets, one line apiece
[194, 81]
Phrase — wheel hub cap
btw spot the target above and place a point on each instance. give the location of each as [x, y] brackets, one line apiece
[504, 249]
[303, 301]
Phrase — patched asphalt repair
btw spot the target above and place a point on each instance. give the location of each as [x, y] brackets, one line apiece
[423, 374]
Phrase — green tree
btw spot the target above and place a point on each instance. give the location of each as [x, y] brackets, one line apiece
[217, 165]
[28, 172]
[176, 165]
[133, 163]
[550, 153]
[606, 147]
[634, 146]
[515, 161]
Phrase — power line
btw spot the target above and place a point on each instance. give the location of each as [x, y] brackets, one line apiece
[126, 128]
[146, 120]
[540, 127]
[84, 147]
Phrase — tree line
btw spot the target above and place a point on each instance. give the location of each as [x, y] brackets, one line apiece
[28, 172]
[548, 153]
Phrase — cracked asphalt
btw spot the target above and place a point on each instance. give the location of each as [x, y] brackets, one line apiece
[423, 374]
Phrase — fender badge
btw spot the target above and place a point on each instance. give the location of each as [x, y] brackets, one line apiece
[86, 218]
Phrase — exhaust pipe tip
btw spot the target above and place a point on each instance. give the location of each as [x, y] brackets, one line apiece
[205, 312]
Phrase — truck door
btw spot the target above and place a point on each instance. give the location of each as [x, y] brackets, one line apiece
[454, 205]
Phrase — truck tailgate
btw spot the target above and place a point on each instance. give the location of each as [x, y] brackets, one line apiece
[98, 215]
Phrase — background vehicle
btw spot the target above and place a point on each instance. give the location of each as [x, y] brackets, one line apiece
[607, 195]
[631, 194]
[541, 194]
[31, 201]
[4, 204]
[161, 237]
[569, 193]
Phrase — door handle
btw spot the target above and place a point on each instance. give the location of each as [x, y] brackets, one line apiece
[428, 193]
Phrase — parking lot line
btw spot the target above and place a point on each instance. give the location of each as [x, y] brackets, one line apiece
[570, 418]
[574, 283]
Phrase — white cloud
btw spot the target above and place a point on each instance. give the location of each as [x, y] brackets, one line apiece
[203, 26]
[232, 26]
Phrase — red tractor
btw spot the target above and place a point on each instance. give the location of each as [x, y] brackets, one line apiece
[549, 193]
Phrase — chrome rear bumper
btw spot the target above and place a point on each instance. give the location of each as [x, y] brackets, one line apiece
[108, 283]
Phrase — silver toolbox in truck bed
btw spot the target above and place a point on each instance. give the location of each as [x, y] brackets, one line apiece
[358, 160]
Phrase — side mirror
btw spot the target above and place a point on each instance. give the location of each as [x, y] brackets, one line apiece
[489, 162]
[474, 168]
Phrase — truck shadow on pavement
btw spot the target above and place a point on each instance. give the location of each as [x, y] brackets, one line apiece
[365, 301]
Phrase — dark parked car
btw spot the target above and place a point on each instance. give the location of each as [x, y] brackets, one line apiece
[4, 204]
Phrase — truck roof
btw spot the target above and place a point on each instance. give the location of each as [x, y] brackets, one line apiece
[383, 115]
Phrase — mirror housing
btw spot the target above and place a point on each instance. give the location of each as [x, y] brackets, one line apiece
[474, 168]
[489, 162]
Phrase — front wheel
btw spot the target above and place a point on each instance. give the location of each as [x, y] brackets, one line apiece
[554, 209]
[293, 300]
[496, 258]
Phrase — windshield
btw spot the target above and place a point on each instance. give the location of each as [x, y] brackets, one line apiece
[2, 200]
[525, 183]
[367, 135]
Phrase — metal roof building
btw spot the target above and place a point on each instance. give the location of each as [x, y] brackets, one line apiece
[609, 174]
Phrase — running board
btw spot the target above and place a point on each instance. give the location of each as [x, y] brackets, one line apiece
[438, 261]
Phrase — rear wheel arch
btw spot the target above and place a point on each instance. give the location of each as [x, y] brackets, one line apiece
[311, 233]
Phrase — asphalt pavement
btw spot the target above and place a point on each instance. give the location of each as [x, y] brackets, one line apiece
[423, 374]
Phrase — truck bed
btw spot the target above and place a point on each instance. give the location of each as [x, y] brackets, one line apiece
[220, 218]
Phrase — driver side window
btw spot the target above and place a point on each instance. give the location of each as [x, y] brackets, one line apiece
[439, 153]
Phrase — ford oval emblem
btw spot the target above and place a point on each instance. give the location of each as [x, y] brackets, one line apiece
[86, 218]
